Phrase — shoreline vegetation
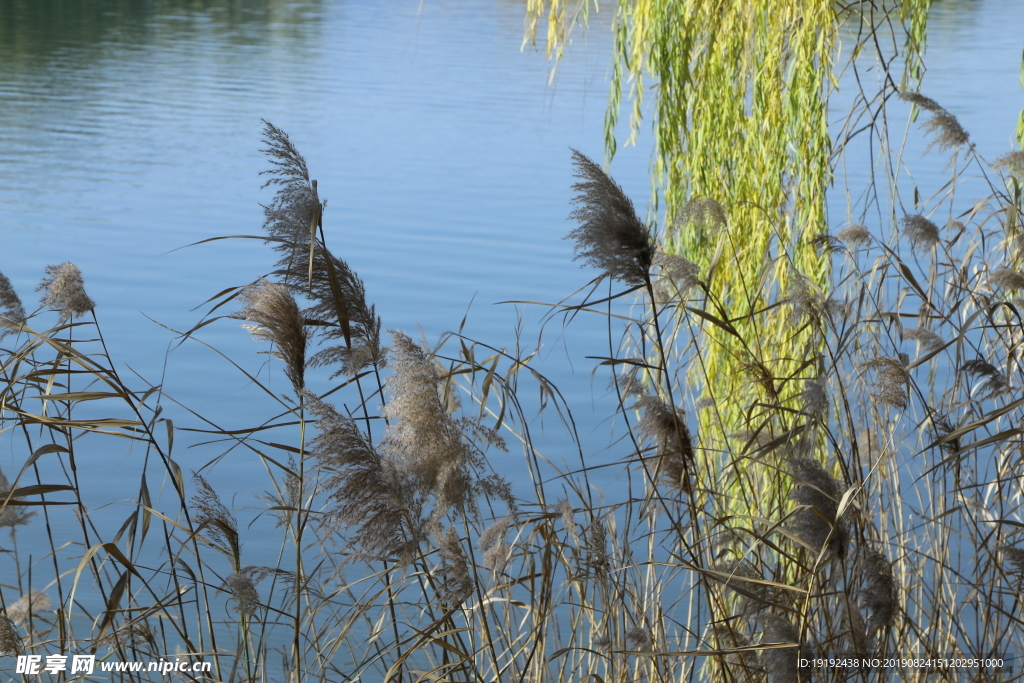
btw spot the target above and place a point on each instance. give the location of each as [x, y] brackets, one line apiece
[816, 428]
[896, 525]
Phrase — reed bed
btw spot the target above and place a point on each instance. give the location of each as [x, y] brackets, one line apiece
[879, 485]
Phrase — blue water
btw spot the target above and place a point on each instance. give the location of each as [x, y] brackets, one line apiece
[441, 147]
[127, 133]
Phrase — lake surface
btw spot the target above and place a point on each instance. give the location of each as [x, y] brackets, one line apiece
[131, 129]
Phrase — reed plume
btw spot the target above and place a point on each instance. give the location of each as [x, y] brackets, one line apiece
[818, 523]
[862, 644]
[594, 560]
[28, 606]
[754, 597]
[806, 298]
[1006, 278]
[947, 129]
[294, 213]
[243, 592]
[308, 267]
[666, 427]
[879, 594]
[12, 515]
[827, 244]
[1013, 563]
[993, 382]
[920, 231]
[566, 512]
[892, 381]
[814, 399]
[639, 638]
[926, 338]
[493, 545]
[611, 237]
[337, 292]
[1012, 162]
[11, 310]
[430, 445]
[781, 664]
[211, 515]
[456, 583]
[11, 643]
[855, 235]
[920, 101]
[65, 291]
[702, 212]
[277, 319]
[370, 496]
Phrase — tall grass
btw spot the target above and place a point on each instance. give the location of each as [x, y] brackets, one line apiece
[881, 501]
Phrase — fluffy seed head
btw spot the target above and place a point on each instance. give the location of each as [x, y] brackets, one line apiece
[1013, 563]
[220, 525]
[243, 592]
[277, 319]
[11, 516]
[879, 595]
[338, 294]
[11, 310]
[861, 642]
[65, 291]
[926, 338]
[133, 635]
[564, 508]
[666, 427]
[676, 272]
[754, 597]
[638, 638]
[827, 244]
[704, 403]
[595, 561]
[456, 583]
[819, 522]
[611, 237]
[296, 204]
[920, 101]
[438, 452]
[702, 212]
[370, 496]
[948, 131]
[920, 231]
[892, 381]
[806, 298]
[814, 399]
[729, 638]
[494, 546]
[28, 606]
[1012, 162]
[10, 640]
[855, 235]
[781, 664]
[1006, 278]
[993, 383]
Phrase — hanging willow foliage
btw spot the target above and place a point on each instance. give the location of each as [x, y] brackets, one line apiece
[742, 161]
